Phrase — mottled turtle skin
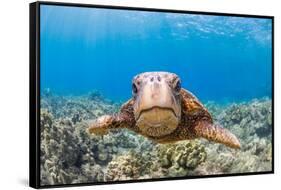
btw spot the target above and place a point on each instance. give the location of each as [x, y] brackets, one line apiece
[164, 112]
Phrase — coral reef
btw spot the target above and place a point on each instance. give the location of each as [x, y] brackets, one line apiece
[248, 119]
[134, 165]
[59, 150]
[181, 158]
[165, 160]
[255, 157]
[78, 108]
[251, 122]
[70, 155]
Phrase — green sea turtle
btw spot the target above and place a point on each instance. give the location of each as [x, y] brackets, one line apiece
[164, 112]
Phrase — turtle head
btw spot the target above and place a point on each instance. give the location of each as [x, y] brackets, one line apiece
[157, 105]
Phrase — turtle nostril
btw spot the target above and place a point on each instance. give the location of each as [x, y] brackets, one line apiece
[159, 78]
[151, 79]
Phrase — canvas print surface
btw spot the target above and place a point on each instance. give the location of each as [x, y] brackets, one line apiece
[130, 95]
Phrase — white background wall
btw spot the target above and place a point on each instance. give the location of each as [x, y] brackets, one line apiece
[14, 93]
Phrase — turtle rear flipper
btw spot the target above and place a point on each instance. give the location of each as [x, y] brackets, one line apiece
[216, 133]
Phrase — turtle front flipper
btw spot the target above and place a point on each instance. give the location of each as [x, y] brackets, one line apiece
[124, 119]
[102, 125]
[198, 121]
[216, 133]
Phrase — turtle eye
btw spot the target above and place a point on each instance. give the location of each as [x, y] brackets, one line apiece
[178, 86]
[135, 89]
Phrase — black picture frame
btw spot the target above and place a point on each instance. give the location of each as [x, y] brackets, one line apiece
[34, 91]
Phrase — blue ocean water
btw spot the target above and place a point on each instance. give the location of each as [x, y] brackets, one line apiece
[218, 58]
